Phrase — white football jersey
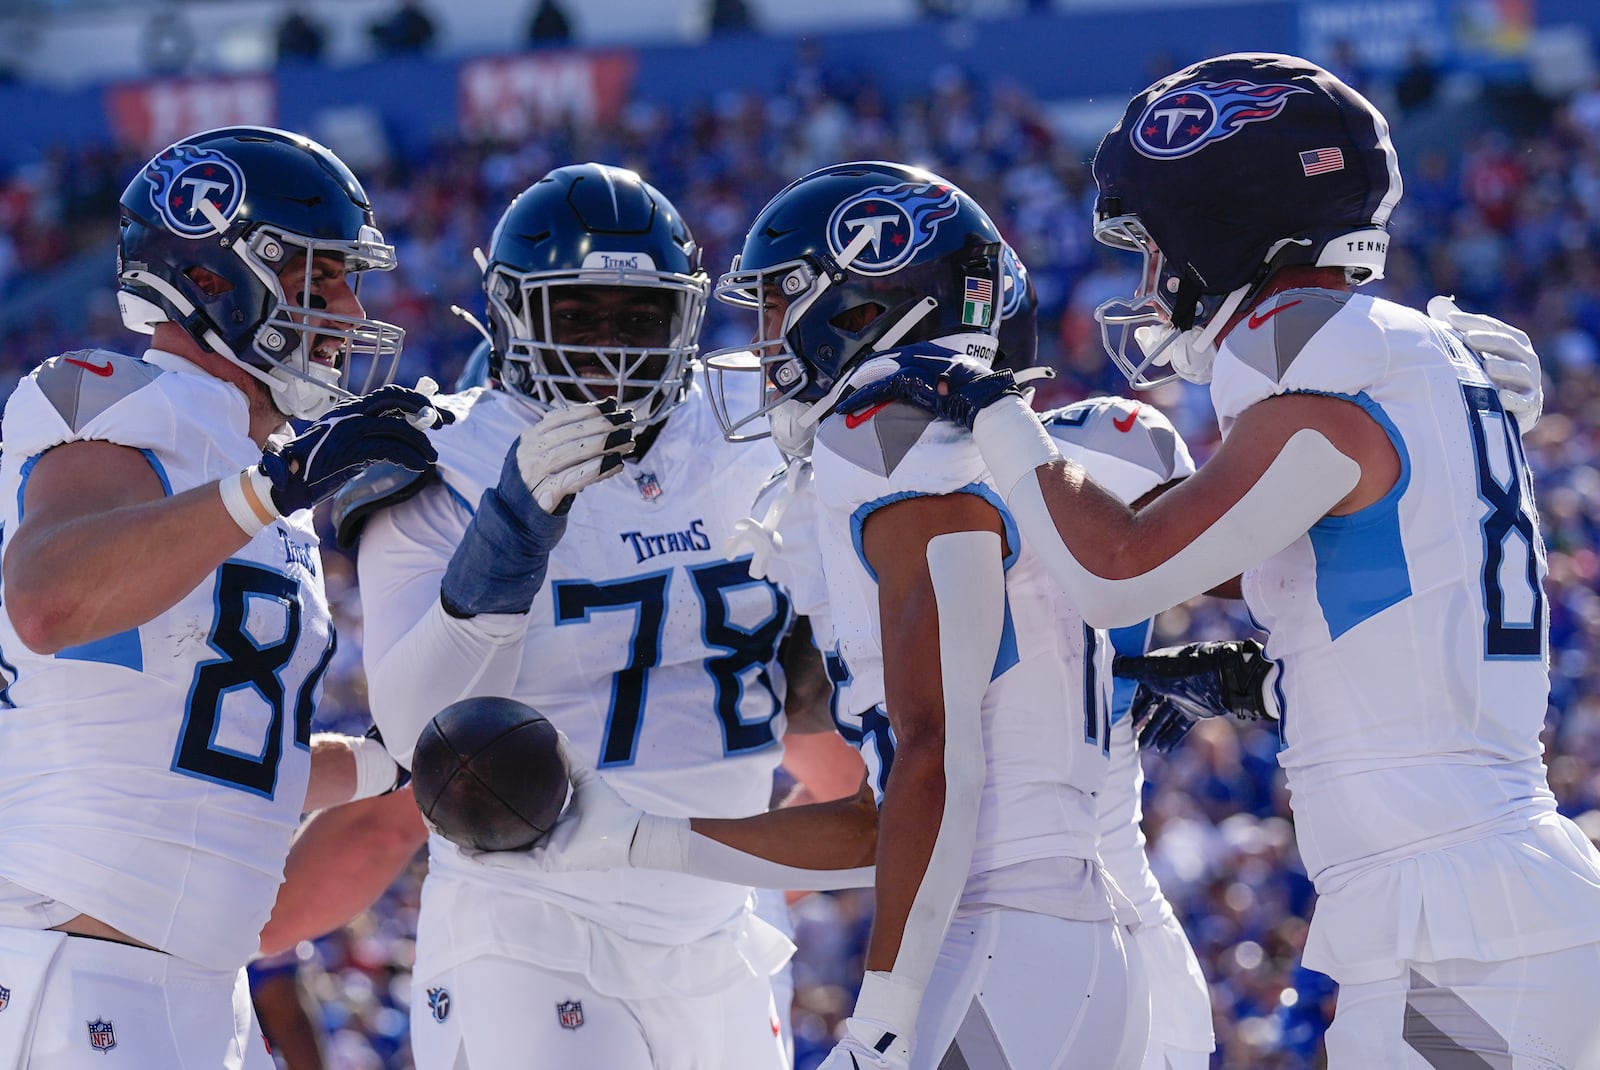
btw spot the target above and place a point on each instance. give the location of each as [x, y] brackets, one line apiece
[153, 779]
[1045, 716]
[647, 645]
[1130, 449]
[1412, 637]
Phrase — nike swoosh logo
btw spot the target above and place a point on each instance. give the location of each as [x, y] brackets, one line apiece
[1125, 424]
[1258, 318]
[101, 370]
[856, 419]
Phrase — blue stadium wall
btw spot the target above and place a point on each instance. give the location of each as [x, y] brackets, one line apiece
[1058, 56]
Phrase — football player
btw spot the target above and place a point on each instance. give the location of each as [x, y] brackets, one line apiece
[1134, 449]
[953, 660]
[655, 652]
[165, 629]
[1372, 489]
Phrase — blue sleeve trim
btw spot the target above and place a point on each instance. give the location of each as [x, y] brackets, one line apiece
[1006, 656]
[161, 471]
[858, 519]
[1361, 558]
[123, 649]
[23, 472]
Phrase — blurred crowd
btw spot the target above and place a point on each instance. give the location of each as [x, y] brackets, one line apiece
[1508, 220]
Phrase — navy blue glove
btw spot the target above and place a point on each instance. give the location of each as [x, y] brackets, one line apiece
[385, 425]
[938, 381]
[1182, 685]
[500, 562]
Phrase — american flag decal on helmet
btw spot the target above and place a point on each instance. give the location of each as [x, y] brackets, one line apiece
[1321, 161]
[977, 309]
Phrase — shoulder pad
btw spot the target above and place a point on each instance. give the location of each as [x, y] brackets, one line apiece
[1127, 446]
[86, 382]
[381, 486]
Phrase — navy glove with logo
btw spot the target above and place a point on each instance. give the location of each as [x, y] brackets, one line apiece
[936, 380]
[385, 425]
[1182, 685]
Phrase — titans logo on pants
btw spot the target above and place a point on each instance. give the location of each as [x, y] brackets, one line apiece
[1184, 121]
[184, 176]
[897, 220]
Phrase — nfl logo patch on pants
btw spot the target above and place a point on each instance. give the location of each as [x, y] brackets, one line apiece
[570, 1014]
[102, 1035]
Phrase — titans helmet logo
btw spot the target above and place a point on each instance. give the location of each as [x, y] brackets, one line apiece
[439, 1003]
[1014, 284]
[893, 221]
[192, 189]
[1184, 121]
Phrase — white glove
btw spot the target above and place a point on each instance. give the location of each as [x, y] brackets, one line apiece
[1508, 358]
[572, 447]
[596, 829]
[886, 1015]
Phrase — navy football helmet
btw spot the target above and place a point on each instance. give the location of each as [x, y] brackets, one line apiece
[245, 203]
[1218, 176]
[1019, 316]
[592, 225]
[851, 260]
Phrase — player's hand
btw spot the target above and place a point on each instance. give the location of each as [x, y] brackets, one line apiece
[500, 563]
[594, 831]
[1508, 358]
[1180, 686]
[943, 383]
[340, 444]
[570, 448]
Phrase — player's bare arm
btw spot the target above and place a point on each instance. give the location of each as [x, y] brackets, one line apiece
[90, 510]
[814, 753]
[1288, 461]
[838, 834]
[895, 542]
[341, 861]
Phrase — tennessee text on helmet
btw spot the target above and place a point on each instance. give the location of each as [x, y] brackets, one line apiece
[591, 225]
[245, 204]
[850, 260]
[1218, 176]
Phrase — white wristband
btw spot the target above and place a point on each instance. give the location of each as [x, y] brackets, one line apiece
[1013, 442]
[376, 771]
[889, 1000]
[660, 843]
[248, 499]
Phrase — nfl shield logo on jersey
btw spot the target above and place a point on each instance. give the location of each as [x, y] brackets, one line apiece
[5, 997]
[439, 1003]
[102, 1035]
[649, 486]
[570, 1014]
